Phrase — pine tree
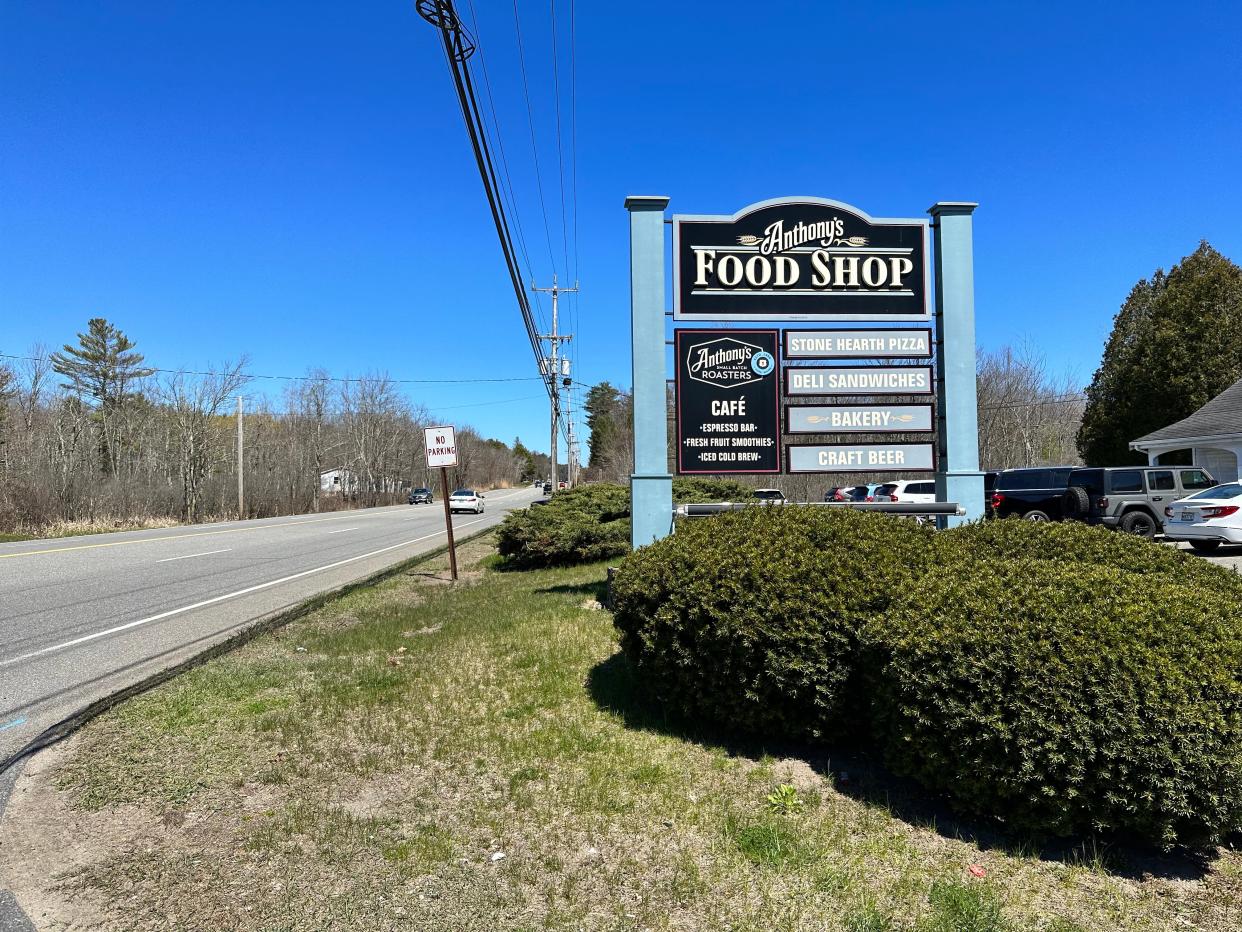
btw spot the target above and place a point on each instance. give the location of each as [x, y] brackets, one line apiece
[603, 404]
[1176, 343]
[102, 366]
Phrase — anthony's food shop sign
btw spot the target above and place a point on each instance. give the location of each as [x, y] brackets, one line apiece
[728, 405]
[800, 259]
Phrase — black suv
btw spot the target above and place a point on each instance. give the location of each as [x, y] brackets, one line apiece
[1130, 498]
[1035, 494]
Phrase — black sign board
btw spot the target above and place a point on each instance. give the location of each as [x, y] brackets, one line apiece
[799, 259]
[728, 402]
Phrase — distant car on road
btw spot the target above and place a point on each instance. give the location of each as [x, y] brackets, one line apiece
[917, 491]
[466, 500]
[421, 497]
[547, 488]
[1207, 519]
[769, 495]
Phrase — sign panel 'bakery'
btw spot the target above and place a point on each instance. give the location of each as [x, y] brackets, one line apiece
[728, 416]
[799, 259]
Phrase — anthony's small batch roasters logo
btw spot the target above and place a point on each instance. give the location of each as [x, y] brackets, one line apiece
[728, 363]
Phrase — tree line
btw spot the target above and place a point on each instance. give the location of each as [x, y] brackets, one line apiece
[92, 433]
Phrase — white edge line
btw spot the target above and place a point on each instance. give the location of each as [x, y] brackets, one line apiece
[342, 530]
[221, 598]
[205, 553]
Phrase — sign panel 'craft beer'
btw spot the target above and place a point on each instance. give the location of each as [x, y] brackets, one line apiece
[862, 457]
[728, 414]
[799, 259]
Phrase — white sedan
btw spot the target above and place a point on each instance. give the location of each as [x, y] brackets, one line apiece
[1207, 519]
[466, 500]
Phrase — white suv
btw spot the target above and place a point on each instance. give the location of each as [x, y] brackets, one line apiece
[916, 491]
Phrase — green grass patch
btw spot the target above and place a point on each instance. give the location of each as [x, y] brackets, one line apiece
[478, 756]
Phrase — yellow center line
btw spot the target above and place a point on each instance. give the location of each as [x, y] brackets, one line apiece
[159, 540]
[348, 516]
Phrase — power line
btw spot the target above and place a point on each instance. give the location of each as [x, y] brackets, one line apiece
[560, 141]
[458, 47]
[315, 378]
[530, 119]
[504, 161]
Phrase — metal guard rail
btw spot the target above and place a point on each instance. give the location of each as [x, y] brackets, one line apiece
[704, 509]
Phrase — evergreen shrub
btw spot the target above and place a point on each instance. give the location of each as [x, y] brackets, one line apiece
[1067, 695]
[751, 619]
[592, 522]
[1057, 677]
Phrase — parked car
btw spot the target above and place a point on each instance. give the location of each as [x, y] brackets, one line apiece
[421, 497]
[466, 500]
[1130, 498]
[1035, 494]
[1207, 519]
[837, 494]
[769, 495]
[989, 486]
[917, 491]
[861, 493]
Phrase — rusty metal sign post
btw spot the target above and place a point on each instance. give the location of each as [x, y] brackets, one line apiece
[441, 445]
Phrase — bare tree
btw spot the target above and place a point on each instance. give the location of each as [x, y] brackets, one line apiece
[194, 405]
[1027, 417]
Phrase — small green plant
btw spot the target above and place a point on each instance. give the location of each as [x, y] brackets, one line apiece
[867, 919]
[959, 907]
[770, 842]
[784, 800]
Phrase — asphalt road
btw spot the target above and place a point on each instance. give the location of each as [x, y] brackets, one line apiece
[81, 618]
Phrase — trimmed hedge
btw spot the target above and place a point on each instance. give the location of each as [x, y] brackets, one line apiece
[751, 619]
[1080, 544]
[1068, 696]
[592, 522]
[1058, 677]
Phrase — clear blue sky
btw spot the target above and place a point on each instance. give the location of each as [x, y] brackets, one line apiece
[292, 181]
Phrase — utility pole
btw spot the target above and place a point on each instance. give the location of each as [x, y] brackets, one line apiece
[241, 472]
[571, 454]
[554, 371]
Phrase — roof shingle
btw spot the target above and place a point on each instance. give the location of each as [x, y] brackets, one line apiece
[1220, 417]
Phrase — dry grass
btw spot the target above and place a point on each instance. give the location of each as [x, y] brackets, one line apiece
[365, 767]
[79, 528]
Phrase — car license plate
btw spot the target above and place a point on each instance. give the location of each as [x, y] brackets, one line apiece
[1188, 516]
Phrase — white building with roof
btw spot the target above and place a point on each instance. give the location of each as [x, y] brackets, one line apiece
[1213, 434]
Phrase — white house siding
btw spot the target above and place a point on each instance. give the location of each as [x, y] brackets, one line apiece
[1222, 464]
